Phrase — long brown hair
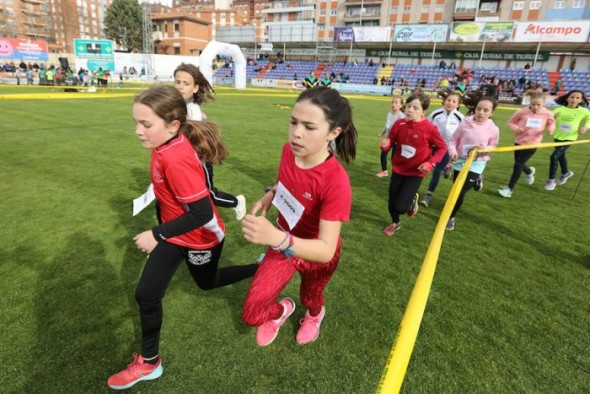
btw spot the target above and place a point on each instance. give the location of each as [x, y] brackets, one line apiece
[168, 104]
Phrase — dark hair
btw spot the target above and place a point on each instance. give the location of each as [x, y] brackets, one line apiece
[206, 91]
[424, 100]
[473, 97]
[168, 105]
[446, 92]
[338, 114]
[562, 100]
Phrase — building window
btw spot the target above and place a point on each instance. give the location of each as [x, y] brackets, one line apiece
[560, 4]
[177, 50]
[394, 10]
[333, 13]
[323, 13]
[579, 4]
[535, 5]
[439, 9]
[466, 6]
[425, 9]
[489, 7]
[518, 5]
[321, 26]
[407, 10]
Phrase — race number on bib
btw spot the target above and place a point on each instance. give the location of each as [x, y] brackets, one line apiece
[534, 123]
[288, 206]
[566, 128]
[408, 151]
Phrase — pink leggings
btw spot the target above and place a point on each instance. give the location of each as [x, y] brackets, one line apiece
[274, 273]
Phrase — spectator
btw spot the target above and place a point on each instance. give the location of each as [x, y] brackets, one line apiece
[442, 65]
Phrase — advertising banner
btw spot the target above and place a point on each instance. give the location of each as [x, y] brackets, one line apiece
[481, 31]
[420, 33]
[562, 31]
[467, 55]
[362, 34]
[93, 49]
[14, 48]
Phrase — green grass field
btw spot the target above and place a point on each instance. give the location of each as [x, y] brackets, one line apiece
[508, 311]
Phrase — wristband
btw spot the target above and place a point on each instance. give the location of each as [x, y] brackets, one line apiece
[279, 246]
[288, 252]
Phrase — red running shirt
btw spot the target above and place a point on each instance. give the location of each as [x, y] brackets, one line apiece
[179, 179]
[324, 191]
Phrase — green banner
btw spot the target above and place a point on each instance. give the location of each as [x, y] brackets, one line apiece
[467, 55]
[93, 49]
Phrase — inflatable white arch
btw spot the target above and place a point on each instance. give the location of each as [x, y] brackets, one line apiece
[214, 48]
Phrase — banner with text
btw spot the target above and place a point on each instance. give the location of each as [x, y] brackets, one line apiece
[466, 55]
[562, 31]
[93, 49]
[362, 34]
[14, 48]
[481, 31]
[420, 33]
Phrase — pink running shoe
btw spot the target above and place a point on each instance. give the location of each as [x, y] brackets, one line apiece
[310, 327]
[382, 174]
[267, 332]
[390, 230]
[135, 372]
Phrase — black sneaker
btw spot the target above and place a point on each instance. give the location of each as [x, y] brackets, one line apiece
[478, 183]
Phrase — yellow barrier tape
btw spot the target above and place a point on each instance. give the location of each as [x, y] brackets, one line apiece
[399, 357]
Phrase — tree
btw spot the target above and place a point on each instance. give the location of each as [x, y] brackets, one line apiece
[123, 24]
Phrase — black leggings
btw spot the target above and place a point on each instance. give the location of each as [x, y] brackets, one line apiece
[402, 190]
[469, 184]
[520, 159]
[161, 265]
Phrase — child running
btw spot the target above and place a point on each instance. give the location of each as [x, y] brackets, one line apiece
[190, 228]
[196, 90]
[476, 131]
[313, 197]
[414, 139]
[392, 116]
[528, 124]
[446, 120]
[571, 120]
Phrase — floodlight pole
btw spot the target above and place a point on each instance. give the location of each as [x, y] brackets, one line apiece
[537, 53]
[148, 39]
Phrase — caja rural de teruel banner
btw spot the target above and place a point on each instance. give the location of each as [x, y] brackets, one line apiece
[481, 31]
[420, 33]
[14, 48]
[562, 31]
[361, 34]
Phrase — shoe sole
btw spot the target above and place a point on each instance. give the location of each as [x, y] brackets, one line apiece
[424, 204]
[241, 203]
[155, 374]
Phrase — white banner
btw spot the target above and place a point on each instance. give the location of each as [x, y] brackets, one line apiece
[562, 31]
[420, 33]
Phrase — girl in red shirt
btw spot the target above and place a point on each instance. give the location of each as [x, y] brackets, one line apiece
[190, 228]
[313, 197]
[414, 139]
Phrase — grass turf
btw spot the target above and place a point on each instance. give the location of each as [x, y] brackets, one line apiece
[508, 310]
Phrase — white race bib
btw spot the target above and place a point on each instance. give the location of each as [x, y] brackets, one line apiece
[144, 200]
[466, 149]
[408, 151]
[534, 123]
[566, 128]
[288, 206]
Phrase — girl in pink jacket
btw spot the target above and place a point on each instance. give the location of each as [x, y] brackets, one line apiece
[477, 131]
[528, 124]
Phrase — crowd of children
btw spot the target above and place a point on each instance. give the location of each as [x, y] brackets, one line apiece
[312, 192]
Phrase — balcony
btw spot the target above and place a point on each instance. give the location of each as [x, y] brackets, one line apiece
[362, 2]
[35, 1]
[33, 12]
[282, 8]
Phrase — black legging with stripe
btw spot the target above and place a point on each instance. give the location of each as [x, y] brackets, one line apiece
[159, 269]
